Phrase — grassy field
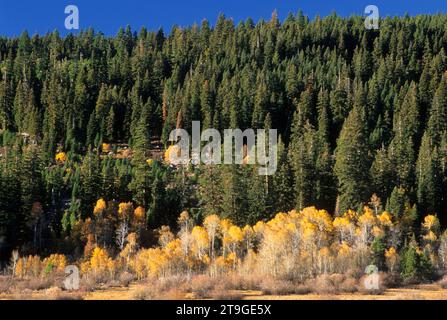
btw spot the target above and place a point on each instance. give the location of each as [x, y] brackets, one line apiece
[419, 292]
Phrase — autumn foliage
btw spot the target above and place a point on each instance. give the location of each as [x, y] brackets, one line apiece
[298, 245]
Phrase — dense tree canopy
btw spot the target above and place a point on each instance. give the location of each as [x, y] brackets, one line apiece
[359, 112]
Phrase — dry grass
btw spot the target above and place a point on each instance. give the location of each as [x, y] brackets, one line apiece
[281, 287]
[221, 294]
[232, 287]
[55, 293]
[161, 289]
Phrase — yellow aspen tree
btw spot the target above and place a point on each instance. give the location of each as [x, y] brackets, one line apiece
[125, 210]
[249, 237]
[391, 257]
[20, 268]
[366, 223]
[212, 226]
[324, 260]
[343, 226]
[139, 219]
[165, 236]
[100, 207]
[99, 260]
[225, 225]
[131, 247]
[200, 241]
[430, 225]
[234, 238]
[185, 225]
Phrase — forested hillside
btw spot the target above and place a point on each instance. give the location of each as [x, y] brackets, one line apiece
[362, 116]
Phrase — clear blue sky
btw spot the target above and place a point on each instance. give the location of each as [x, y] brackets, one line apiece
[108, 15]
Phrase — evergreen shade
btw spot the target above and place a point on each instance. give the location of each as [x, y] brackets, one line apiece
[359, 112]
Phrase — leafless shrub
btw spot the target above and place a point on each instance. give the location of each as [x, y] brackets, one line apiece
[90, 283]
[5, 284]
[126, 278]
[202, 286]
[374, 291]
[443, 282]
[333, 284]
[323, 284]
[150, 292]
[162, 289]
[391, 280]
[349, 285]
[281, 287]
[239, 282]
[34, 284]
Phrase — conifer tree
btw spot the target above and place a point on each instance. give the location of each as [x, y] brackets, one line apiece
[352, 163]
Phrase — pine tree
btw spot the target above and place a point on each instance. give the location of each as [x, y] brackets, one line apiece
[352, 163]
[437, 122]
[428, 177]
[303, 154]
[90, 183]
[140, 185]
[382, 174]
[7, 97]
[283, 181]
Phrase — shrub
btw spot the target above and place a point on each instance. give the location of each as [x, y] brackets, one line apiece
[443, 282]
[35, 284]
[282, 287]
[161, 289]
[349, 285]
[202, 286]
[126, 278]
[238, 282]
[323, 284]
[146, 293]
[5, 284]
[375, 291]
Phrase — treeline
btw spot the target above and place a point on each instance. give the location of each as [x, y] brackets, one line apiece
[298, 246]
[359, 112]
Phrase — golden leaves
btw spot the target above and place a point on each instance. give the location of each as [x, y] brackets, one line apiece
[61, 157]
[140, 213]
[235, 234]
[106, 147]
[100, 260]
[431, 222]
[34, 266]
[100, 207]
[125, 209]
[390, 253]
[368, 218]
[171, 152]
[212, 224]
[385, 219]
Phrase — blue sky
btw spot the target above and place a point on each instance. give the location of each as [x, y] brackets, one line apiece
[108, 15]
